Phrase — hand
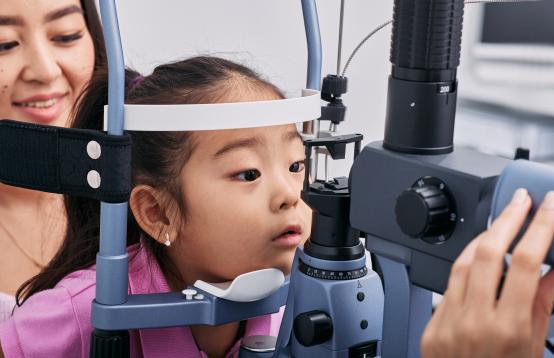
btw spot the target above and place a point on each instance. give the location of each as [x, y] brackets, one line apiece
[471, 321]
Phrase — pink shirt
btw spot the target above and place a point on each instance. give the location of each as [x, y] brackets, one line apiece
[7, 303]
[56, 322]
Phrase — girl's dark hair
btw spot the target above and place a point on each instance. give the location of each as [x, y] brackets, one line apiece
[95, 29]
[157, 157]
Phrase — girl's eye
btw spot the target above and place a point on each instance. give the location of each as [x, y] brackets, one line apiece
[248, 175]
[65, 39]
[297, 167]
[6, 46]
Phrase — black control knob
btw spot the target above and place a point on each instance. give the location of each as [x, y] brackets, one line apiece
[311, 328]
[425, 211]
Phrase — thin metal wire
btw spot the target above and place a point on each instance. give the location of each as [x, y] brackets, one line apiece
[378, 28]
[341, 23]
[361, 44]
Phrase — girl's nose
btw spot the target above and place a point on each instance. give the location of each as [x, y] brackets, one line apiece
[42, 65]
[286, 192]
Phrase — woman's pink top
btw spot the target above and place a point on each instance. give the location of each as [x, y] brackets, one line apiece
[7, 303]
[56, 322]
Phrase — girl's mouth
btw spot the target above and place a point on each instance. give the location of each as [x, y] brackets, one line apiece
[290, 237]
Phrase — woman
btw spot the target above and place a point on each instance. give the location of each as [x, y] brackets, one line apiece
[48, 52]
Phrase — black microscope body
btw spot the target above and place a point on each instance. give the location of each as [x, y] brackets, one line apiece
[418, 200]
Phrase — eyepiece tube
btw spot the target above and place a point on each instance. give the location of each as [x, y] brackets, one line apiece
[425, 54]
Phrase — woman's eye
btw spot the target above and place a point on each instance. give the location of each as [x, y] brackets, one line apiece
[65, 39]
[297, 167]
[6, 46]
[248, 175]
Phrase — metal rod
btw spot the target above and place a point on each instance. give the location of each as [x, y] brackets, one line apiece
[313, 38]
[357, 146]
[315, 164]
[112, 260]
[116, 66]
[326, 167]
[340, 36]
[308, 127]
[308, 152]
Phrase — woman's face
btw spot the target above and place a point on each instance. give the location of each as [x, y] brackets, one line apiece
[46, 58]
[241, 192]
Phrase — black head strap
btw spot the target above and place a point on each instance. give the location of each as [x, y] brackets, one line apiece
[69, 161]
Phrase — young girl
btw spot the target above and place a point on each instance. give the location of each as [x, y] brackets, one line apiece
[227, 201]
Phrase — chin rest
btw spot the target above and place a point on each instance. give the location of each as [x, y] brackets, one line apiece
[248, 287]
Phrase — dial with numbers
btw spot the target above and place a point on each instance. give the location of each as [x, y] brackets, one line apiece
[331, 275]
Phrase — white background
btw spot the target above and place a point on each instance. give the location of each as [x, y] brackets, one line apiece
[269, 37]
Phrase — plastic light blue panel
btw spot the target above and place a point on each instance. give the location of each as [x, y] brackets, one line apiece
[537, 178]
[113, 308]
[112, 260]
[313, 37]
[407, 311]
[172, 310]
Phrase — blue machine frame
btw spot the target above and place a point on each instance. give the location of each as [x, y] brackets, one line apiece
[407, 307]
[113, 308]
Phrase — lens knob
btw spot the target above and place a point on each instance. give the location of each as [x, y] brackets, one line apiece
[423, 212]
[314, 327]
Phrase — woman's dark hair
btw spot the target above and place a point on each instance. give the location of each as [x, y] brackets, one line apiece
[157, 157]
[95, 30]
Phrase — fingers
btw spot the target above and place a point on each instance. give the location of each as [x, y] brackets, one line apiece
[542, 308]
[428, 345]
[470, 316]
[457, 282]
[522, 279]
[545, 294]
[438, 336]
[488, 262]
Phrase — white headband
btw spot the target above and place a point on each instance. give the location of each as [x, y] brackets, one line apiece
[199, 117]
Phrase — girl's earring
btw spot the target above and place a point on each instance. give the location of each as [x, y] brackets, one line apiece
[167, 241]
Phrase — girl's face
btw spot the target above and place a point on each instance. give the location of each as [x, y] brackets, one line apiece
[241, 191]
[46, 58]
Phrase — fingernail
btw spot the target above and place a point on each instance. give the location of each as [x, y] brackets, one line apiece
[548, 202]
[520, 195]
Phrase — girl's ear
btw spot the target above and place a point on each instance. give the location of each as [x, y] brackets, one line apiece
[152, 211]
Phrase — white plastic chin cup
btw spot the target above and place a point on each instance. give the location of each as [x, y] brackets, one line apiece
[248, 287]
[218, 116]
